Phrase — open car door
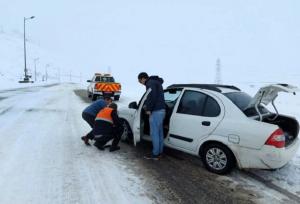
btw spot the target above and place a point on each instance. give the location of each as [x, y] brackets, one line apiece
[137, 123]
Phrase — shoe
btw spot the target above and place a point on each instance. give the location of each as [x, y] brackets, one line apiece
[152, 157]
[99, 146]
[114, 148]
[161, 155]
[86, 140]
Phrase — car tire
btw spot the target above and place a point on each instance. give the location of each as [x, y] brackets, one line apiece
[116, 98]
[94, 97]
[89, 95]
[126, 136]
[217, 158]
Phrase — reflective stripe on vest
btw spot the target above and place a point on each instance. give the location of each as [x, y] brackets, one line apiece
[105, 114]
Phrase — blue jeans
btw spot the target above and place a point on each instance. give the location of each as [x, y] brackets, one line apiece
[156, 120]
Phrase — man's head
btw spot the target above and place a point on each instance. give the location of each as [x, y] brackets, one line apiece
[142, 77]
[113, 106]
[108, 100]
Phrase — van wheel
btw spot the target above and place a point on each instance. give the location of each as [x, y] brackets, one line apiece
[94, 97]
[89, 95]
[127, 133]
[217, 158]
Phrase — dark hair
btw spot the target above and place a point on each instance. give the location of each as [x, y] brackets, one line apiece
[143, 75]
[113, 106]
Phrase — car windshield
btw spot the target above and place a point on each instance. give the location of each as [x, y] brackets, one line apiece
[107, 79]
[242, 100]
[104, 79]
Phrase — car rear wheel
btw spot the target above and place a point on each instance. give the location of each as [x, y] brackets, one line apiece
[217, 158]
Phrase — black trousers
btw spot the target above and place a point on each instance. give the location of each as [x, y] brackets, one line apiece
[116, 136]
[90, 119]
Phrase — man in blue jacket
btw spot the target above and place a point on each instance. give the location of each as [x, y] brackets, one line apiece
[155, 108]
[89, 115]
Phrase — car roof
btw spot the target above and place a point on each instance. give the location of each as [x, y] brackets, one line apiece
[213, 87]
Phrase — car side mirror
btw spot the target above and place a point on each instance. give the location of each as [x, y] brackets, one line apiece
[88, 80]
[133, 105]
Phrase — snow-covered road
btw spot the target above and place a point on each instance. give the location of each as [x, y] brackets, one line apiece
[42, 159]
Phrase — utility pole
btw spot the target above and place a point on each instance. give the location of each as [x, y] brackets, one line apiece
[35, 59]
[46, 71]
[218, 79]
[58, 74]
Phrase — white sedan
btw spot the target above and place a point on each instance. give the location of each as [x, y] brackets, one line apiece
[222, 125]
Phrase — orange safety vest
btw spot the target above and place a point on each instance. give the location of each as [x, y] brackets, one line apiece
[105, 114]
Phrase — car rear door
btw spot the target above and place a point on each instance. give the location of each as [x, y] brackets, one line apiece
[196, 115]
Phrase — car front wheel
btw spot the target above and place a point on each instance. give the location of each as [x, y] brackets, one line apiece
[127, 134]
[217, 158]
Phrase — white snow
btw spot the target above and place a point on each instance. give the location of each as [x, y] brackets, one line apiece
[43, 159]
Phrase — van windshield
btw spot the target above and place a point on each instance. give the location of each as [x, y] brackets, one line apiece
[242, 100]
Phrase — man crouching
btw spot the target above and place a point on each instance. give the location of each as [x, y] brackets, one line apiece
[108, 126]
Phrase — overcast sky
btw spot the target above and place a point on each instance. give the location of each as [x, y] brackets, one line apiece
[179, 40]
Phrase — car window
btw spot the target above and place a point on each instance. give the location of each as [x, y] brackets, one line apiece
[192, 103]
[107, 79]
[212, 108]
[197, 103]
[97, 78]
[172, 95]
[242, 100]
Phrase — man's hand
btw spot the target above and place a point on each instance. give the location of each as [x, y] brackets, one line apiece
[148, 112]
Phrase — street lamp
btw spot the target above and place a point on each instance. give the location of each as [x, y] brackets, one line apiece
[26, 77]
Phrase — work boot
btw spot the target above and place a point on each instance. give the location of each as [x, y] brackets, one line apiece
[114, 148]
[100, 147]
[86, 140]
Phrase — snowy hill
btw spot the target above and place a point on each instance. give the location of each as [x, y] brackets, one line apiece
[12, 60]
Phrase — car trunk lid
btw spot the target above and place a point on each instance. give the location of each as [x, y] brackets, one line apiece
[268, 94]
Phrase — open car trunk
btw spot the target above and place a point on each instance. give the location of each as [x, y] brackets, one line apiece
[289, 125]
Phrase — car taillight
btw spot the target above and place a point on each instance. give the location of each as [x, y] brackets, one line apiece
[276, 139]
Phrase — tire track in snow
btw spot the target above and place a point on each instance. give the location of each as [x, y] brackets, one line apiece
[273, 186]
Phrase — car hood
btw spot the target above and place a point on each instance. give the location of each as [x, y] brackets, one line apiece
[267, 94]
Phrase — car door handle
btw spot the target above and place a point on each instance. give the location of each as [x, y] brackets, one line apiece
[206, 123]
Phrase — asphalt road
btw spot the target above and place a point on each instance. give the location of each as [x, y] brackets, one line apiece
[179, 177]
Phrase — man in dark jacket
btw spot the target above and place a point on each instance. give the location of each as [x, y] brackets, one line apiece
[108, 126]
[155, 108]
[89, 115]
